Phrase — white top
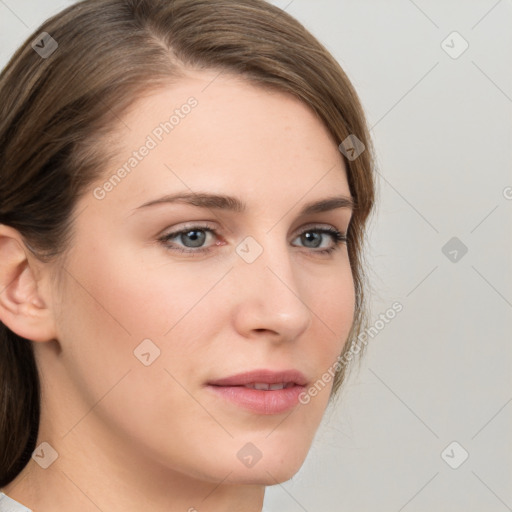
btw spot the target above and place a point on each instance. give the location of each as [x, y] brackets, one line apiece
[9, 505]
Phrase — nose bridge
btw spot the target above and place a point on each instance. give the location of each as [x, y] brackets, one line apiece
[267, 261]
[270, 292]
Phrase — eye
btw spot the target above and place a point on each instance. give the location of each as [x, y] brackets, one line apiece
[197, 239]
[191, 239]
[321, 239]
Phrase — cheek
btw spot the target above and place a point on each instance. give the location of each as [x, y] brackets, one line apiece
[338, 302]
[116, 300]
[332, 305]
[142, 296]
[110, 305]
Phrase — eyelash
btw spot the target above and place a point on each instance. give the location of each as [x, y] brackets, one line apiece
[337, 237]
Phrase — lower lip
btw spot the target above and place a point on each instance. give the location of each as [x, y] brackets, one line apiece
[261, 401]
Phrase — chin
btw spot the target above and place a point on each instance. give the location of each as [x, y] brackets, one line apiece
[264, 475]
[275, 466]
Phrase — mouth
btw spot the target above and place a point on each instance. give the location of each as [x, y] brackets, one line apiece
[269, 387]
[261, 391]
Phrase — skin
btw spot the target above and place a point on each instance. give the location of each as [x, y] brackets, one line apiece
[132, 437]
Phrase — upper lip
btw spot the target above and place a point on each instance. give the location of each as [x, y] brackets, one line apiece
[262, 376]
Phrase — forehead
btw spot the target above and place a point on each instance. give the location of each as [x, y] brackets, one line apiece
[226, 134]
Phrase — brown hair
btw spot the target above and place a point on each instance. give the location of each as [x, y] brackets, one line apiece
[57, 110]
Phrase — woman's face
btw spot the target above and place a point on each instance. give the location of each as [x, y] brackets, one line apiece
[148, 319]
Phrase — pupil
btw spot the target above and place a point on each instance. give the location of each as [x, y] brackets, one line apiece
[312, 239]
[194, 238]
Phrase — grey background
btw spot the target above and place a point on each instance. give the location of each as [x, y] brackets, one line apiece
[440, 370]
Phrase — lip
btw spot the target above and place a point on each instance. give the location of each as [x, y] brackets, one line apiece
[268, 376]
[259, 401]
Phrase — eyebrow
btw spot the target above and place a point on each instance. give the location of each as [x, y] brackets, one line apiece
[230, 203]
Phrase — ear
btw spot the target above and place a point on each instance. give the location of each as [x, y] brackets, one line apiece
[23, 308]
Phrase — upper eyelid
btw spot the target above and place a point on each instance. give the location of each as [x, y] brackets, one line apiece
[200, 226]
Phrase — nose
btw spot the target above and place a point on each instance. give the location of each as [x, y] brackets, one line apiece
[268, 300]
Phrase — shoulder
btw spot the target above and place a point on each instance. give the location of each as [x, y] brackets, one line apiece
[9, 505]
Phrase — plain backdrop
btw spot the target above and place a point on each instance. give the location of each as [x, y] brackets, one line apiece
[426, 423]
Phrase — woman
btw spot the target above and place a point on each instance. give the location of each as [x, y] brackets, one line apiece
[184, 190]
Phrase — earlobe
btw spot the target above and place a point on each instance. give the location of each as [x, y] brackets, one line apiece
[22, 307]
